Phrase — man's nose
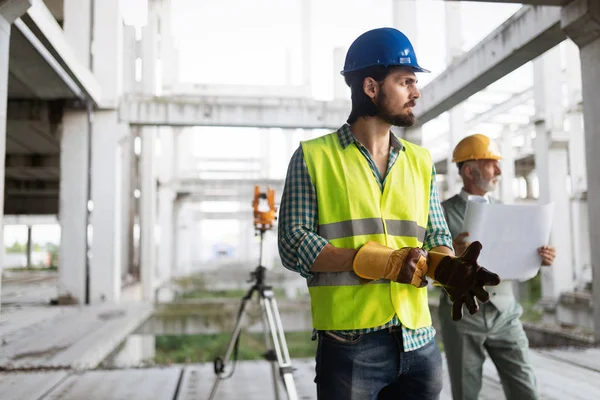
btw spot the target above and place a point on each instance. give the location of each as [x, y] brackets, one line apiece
[415, 93]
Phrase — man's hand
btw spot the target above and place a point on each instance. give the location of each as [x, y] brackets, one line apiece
[463, 279]
[406, 265]
[460, 243]
[547, 253]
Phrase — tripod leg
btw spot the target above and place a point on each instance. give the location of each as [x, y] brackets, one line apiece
[269, 345]
[219, 370]
[281, 349]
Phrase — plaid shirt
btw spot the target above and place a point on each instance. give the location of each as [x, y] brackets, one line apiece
[299, 243]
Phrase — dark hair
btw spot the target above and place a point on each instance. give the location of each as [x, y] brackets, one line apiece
[459, 165]
[362, 105]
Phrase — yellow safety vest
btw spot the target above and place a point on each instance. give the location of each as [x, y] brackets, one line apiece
[352, 210]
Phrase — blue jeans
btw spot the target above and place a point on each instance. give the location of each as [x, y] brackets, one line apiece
[374, 366]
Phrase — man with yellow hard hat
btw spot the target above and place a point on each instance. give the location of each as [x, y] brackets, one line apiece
[497, 328]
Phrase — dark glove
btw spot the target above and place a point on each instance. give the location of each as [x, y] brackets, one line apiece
[463, 279]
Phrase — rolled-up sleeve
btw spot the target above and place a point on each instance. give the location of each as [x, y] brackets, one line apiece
[437, 232]
[298, 241]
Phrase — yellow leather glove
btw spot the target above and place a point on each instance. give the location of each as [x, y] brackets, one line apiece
[406, 265]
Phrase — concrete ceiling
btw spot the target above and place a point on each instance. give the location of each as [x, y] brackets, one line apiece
[31, 75]
[56, 7]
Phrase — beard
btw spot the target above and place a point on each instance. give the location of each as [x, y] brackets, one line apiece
[383, 112]
[488, 185]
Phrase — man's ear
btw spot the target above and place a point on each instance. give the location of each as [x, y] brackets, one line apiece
[467, 171]
[370, 87]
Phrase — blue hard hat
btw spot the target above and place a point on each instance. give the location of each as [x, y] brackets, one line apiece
[382, 46]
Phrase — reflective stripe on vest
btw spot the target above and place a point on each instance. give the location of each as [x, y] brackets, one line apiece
[371, 226]
[353, 210]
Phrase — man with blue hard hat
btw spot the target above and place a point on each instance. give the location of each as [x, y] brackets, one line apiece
[360, 219]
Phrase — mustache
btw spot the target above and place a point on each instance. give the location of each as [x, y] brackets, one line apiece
[410, 104]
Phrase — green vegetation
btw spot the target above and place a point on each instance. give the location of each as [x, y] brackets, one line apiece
[204, 348]
[531, 312]
[229, 294]
[195, 287]
[50, 248]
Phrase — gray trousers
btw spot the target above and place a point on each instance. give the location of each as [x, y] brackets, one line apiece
[501, 335]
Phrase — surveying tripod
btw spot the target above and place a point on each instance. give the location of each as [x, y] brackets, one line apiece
[276, 346]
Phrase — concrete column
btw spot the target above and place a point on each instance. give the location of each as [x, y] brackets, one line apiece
[529, 181]
[131, 52]
[107, 51]
[9, 11]
[150, 51]
[413, 134]
[184, 160]
[148, 212]
[551, 160]
[73, 205]
[339, 84]
[455, 134]
[166, 198]
[578, 175]
[107, 133]
[183, 243]
[457, 129]
[29, 246]
[169, 54]
[74, 274]
[107, 215]
[404, 18]
[454, 40]
[265, 154]
[127, 205]
[77, 27]
[200, 253]
[306, 42]
[246, 242]
[508, 167]
[580, 20]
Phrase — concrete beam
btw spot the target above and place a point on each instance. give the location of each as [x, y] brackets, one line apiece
[31, 205]
[237, 215]
[31, 187]
[34, 160]
[43, 31]
[217, 187]
[227, 90]
[30, 220]
[523, 37]
[234, 111]
[11, 10]
[32, 168]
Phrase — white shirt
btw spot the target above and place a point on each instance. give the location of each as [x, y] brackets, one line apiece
[473, 197]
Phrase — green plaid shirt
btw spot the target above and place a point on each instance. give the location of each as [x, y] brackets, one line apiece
[299, 243]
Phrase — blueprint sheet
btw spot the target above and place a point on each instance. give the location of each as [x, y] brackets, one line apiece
[510, 235]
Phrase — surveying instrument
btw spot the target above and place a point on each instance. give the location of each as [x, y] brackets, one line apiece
[276, 347]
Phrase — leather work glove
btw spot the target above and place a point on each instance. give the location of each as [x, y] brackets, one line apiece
[406, 265]
[462, 278]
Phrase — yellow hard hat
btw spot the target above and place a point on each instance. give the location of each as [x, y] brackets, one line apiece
[476, 147]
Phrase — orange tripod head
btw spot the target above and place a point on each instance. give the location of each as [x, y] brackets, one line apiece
[264, 209]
